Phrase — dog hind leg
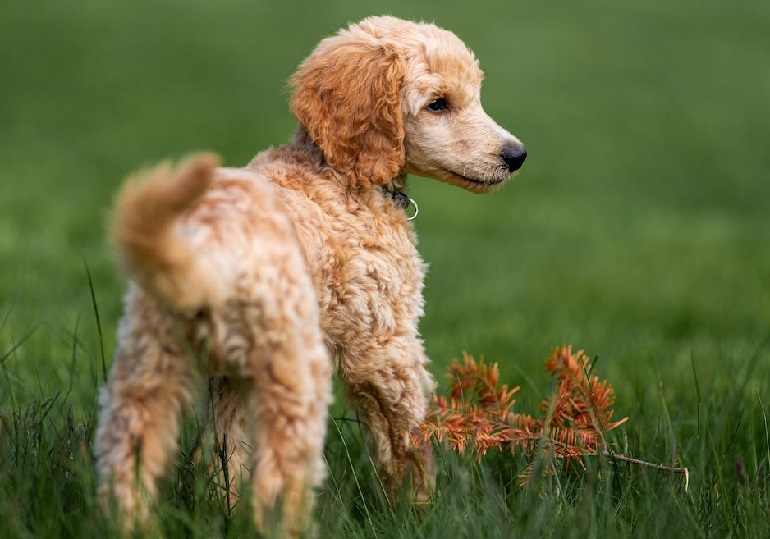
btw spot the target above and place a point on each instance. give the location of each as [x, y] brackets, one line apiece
[280, 404]
[141, 406]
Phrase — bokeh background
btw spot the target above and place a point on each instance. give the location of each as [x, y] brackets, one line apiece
[639, 228]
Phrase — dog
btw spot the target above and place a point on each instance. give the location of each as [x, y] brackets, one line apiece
[267, 278]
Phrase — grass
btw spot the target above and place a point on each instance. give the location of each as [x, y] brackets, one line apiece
[637, 230]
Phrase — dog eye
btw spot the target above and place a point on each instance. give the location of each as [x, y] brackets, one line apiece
[438, 105]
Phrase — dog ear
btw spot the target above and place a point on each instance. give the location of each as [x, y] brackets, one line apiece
[347, 96]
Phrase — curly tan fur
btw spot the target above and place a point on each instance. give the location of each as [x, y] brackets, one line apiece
[357, 125]
[258, 276]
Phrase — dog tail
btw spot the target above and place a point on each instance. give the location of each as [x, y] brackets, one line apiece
[152, 247]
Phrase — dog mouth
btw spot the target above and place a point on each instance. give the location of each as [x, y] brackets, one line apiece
[482, 182]
[475, 185]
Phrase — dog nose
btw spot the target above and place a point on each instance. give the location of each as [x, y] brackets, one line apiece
[514, 156]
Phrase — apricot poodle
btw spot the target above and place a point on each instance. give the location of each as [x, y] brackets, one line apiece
[262, 277]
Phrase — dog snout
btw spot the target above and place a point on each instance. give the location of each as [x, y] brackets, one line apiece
[513, 156]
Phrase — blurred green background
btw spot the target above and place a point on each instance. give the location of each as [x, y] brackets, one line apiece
[638, 228]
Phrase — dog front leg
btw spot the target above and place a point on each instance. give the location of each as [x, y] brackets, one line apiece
[389, 387]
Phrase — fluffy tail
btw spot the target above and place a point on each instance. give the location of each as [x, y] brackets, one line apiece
[152, 248]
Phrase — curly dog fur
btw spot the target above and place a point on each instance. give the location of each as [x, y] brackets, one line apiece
[260, 276]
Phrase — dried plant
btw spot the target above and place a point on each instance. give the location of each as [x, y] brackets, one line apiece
[476, 412]
[573, 422]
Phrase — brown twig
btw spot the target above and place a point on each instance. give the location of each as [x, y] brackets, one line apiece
[661, 467]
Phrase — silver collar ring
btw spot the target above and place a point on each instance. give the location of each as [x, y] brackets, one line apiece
[416, 210]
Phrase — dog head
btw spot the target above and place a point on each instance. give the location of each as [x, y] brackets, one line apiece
[386, 96]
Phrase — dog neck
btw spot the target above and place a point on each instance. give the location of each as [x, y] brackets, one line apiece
[302, 139]
[394, 188]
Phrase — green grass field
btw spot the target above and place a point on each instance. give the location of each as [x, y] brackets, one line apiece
[638, 230]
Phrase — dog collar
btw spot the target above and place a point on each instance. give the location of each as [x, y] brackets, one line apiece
[401, 200]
